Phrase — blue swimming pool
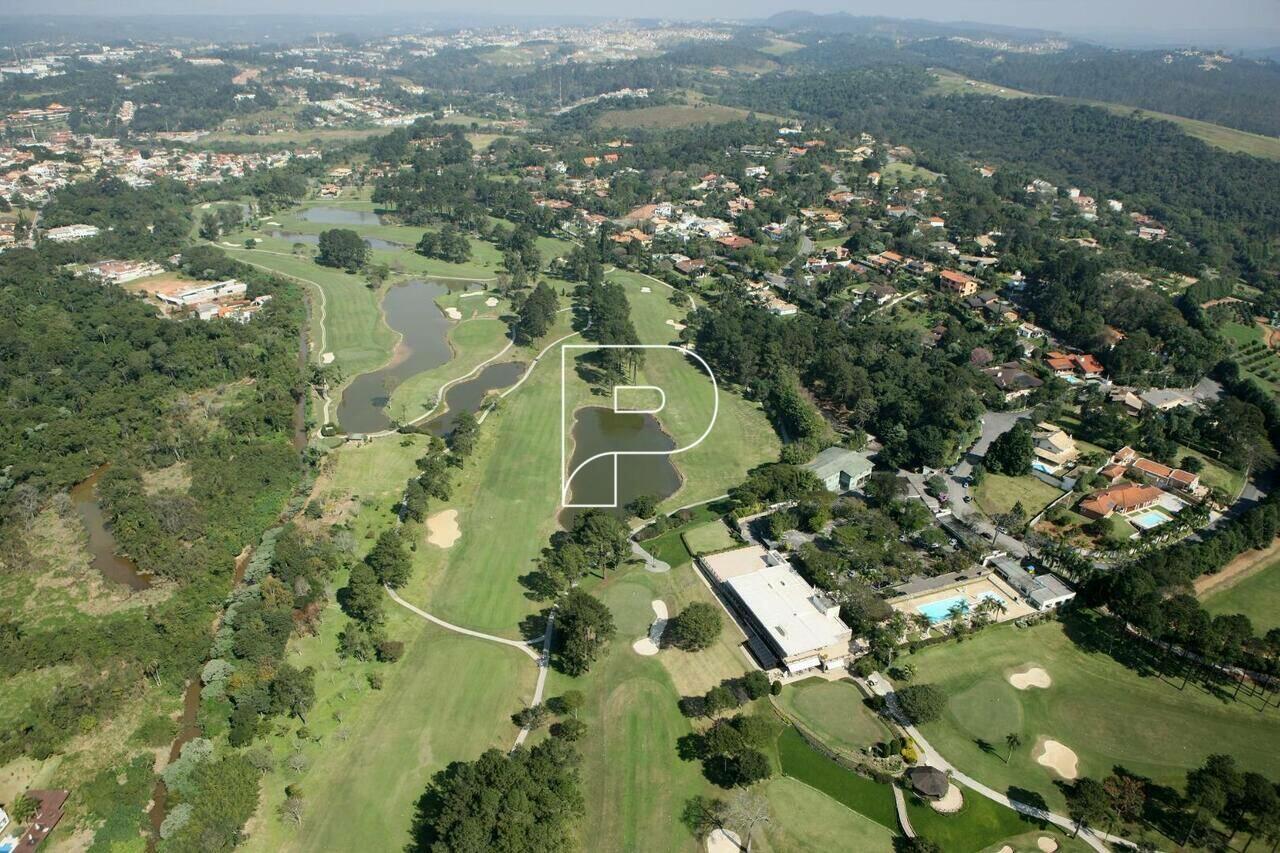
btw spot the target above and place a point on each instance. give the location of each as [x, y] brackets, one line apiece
[940, 611]
[1149, 519]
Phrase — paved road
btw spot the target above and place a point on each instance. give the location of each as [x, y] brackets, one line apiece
[544, 664]
[932, 757]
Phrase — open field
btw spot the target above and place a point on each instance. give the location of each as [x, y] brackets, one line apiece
[1256, 595]
[1214, 474]
[908, 173]
[834, 712]
[1226, 138]
[997, 494]
[858, 793]
[803, 819]
[1108, 713]
[670, 116]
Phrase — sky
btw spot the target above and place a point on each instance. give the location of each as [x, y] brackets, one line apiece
[1154, 19]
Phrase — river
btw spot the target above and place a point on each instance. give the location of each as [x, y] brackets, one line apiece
[596, 430]
[113, 566]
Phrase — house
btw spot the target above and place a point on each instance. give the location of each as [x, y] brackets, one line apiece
[1068, 364]
[691, 266]
[1124, 396]
[929, 782]
[1044, 591]
[1053, 445]
[122, 272]
[841, 469]
[958, 283]
[881, 294]
[1165, 399]
[1165, 477]
[1119, 498]
[735, 241]
[1013, 381]
[795, 624]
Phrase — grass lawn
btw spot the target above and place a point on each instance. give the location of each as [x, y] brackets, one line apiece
[834, 712]
[709, 537]
[979, 824]
[1214, 474]
[1108, 713]
[803, 819]
[1257, 596]
[909, 173]
[870, 799]
[669, 547]
[998, 493]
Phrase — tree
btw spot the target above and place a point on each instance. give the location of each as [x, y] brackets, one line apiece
[585, 627]
[746, 811]
[921, 703]
[751, 766]
[696, 627]
[1128, 795]
[720, 698]
[1012, 451]
[342, 248]
[23, 809]
[462, 438]
[1087, 803]
[756, 683]
[537, 313]
[293, 691]
[1012, 740]
[390, 560]
[643, 506]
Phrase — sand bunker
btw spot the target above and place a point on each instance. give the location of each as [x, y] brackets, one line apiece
[1005, 849]
[723, 841]
[1058, 758]
[673, 324]
[1047, 844]
[492, 302]
[649, 645]
[327, 358]
[442, 528]
[646, 290]
[1030, 676]
[453, 313]
[951, 801]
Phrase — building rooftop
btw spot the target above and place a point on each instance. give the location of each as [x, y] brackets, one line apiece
[798, 619]
[830, 462]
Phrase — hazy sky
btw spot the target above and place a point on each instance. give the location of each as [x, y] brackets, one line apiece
[1076, 16]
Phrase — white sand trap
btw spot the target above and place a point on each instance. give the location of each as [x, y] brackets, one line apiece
[1005, 849]
[673, 324]
[1047, 844]
[273, 222]
[471, 294]
[649, 645]
[453, 313]
[442, 528]
[646, 290]
[492, 302]
[723, 841]
[951, 801]
[327, 358]
[1058, 758]
[1030, 676]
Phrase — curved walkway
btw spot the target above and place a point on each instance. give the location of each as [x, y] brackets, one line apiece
[900, 803]
[457, 629]
[932, 757]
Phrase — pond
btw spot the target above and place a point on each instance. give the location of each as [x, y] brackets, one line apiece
[411, 310]
[102, 545]
[597, 430]
[467, 396]
[314, 239]
[340, 216]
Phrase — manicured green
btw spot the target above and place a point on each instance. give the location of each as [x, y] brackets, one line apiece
[670, 548]
[997, 494]
[708, 538]
[1257, 596]
[804, 763]
[1106, 712]
[834, 711]
[803, 819]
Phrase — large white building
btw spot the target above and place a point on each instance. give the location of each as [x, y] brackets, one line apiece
[798, 624]
[205, 293]
[71, 233]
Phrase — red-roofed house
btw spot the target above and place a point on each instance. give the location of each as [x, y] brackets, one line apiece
[1121, 498]
[958, 283]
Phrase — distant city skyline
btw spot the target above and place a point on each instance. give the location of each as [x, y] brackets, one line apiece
[1244, 22]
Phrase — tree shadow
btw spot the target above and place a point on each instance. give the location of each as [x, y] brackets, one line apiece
[1032, 799]
[534, 626]
[985, 746]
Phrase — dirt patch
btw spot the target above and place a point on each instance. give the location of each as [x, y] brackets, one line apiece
[951, 801]
[1005, 849]
[442, 528]
[673, 324]
[646, 290]
[1030, 676]
[1057, 757]
[327, 358]
[1248, 563]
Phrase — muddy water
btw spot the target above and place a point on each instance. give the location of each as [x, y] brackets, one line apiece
[597, 430]
[102, 545]
[467, 396]
[188, 729]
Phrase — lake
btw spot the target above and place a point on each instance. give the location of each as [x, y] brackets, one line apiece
[411, 310]
[314, 239]
[467, 396]
[597, 430]
[340, 216]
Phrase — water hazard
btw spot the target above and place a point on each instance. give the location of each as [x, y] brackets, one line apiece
[467, 396]
[598, 430]
[340, 216]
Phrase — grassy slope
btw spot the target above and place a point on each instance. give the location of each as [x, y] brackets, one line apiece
[1107, 713]
[998, 493]
[834, 711]
[1257, 596]
[1226, 138]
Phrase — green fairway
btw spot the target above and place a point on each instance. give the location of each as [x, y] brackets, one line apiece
[1256, 596]
[870, 799]
[803, 819]
[834, 712]
[1105, 712]
[708, 538]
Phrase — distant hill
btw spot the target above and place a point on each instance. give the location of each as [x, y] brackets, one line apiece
[844, 23]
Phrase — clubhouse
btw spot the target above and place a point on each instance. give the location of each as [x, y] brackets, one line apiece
[789, 623]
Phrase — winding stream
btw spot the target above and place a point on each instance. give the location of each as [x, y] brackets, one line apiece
[113, 566]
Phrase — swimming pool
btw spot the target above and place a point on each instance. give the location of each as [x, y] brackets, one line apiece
[1040, 466]
[1149, 520]
[940, 611]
